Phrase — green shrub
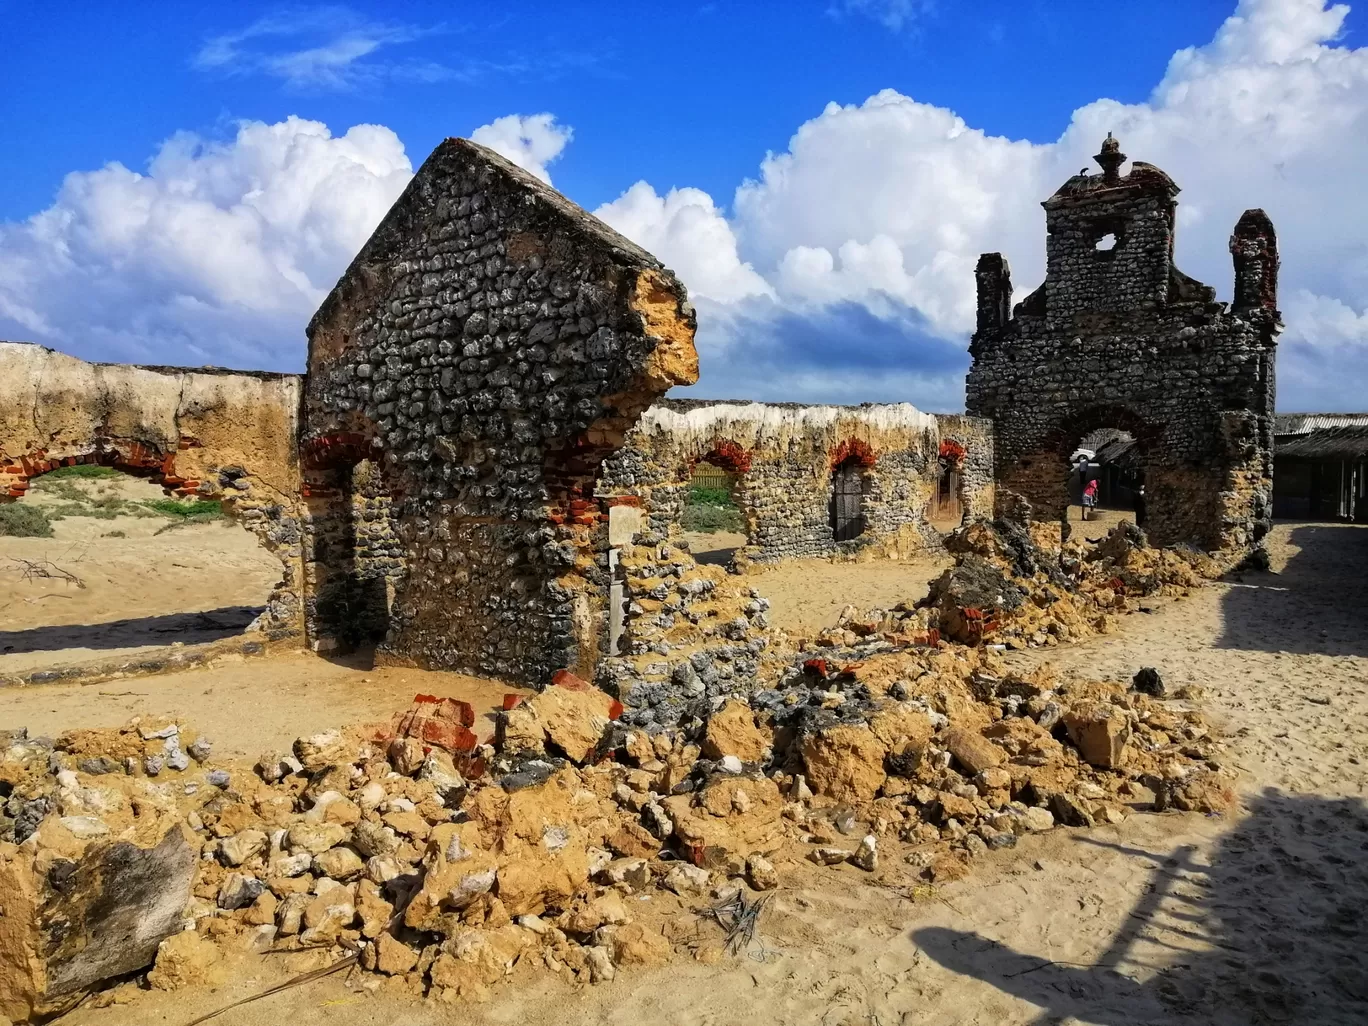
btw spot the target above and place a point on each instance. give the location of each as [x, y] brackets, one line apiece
[194, 509]
[62, 488]
[700, 495]
[20, 521]
[86, 470]
[707, 519]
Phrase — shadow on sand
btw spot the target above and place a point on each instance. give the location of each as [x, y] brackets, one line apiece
[1273, 928]
[1315, 606]
[190, 628]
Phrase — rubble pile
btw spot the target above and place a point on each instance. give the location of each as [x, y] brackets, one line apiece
[694, 634]
[1021, 588]
[572, 841]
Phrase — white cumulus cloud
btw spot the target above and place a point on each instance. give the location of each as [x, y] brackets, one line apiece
[219, 252]
[884, 206]
[691, 234]
[531, 141]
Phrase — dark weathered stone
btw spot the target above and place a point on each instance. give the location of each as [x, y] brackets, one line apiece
[487, 348]
[87, 920]
[1120, 338]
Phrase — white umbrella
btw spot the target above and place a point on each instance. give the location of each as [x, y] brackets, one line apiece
[1079, 454]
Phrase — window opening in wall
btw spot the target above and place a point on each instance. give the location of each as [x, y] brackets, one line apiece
[847, 500]
[97, 563]
[1106, 243]
[712, 520]
[1107, 479]
[946, 510]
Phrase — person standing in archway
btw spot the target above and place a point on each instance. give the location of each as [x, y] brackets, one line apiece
[1140, 506]
[1089, 498]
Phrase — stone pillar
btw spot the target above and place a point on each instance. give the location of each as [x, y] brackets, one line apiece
[1254, 247]
[994, 280]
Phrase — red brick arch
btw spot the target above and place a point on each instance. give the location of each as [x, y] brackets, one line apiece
[729, 455]
[136, 458]
[344, 448]
[852, 450]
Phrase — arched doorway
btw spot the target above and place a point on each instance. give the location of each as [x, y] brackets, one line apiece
[1106, 469]
[713, 518]
[103, 563]
[353, 558]
[945, 510]
[848, 487]
[1102, 459]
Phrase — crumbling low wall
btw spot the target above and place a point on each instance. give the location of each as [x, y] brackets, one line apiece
[206, 432]
[784, 458]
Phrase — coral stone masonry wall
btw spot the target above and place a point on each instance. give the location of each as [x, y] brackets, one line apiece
[785, 457]
[217, 434]
[485, 351]
[1118, 337]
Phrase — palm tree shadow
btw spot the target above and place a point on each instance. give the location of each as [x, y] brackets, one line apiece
[1274, 929]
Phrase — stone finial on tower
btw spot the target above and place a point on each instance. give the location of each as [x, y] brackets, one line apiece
[994, 280]
[1254, 245]
[1110, 158]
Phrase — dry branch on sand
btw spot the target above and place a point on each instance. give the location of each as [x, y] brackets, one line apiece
[30, 570]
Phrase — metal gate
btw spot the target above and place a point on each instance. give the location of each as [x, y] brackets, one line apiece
[847, 502]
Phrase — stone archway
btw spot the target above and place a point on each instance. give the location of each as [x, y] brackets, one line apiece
[717, 492]
[184, 473]
[203, 432]
[352, 557]
[1119, 336]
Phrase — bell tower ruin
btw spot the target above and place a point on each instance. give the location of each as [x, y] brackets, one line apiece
[1118, 337]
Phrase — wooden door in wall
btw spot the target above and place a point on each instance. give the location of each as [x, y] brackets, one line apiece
[946, 506]
[847, 502]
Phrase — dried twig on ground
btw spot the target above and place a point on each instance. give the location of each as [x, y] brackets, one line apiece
[739, 918]
[317, 974]
[35, 569]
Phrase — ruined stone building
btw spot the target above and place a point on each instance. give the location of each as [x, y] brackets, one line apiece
[810, 480]
[1118, 337]
[479, 470]
[484, 352]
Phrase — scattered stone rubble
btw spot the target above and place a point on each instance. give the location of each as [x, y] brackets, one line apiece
[1021, 588]
[443, 863]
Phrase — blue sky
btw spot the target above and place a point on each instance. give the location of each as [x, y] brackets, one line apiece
[688, 94]
[834, 270]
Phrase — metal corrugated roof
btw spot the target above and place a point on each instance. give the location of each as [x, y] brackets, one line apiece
[1123, 452]
[1334, 443]
[1305, 423]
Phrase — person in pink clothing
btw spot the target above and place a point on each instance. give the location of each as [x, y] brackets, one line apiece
[1089, 498]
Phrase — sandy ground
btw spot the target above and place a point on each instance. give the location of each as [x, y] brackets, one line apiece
[1255, 917]
[138, 590]
[808, 594]
[248, 705]
[1101, 521]
[715, 547]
